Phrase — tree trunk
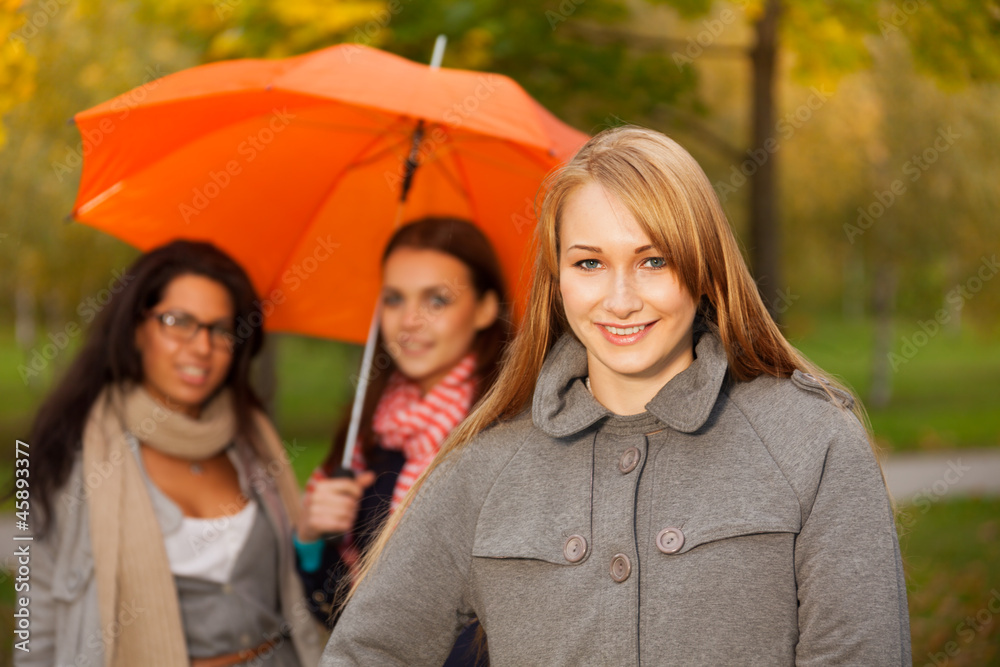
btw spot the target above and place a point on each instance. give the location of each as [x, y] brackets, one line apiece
[765, 235]
[884, 305]
[265, 374]
[24, 316]
[953, 325]
[853, 306]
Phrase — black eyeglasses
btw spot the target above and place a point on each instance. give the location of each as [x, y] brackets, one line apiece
[183, 327]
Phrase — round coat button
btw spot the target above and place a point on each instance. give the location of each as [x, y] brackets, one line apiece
[575, 548]
[670, 540]
[621, 567]
[629, 460]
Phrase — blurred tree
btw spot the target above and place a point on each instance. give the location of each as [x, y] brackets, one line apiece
[924, 225]
[54, 267]
[891, 187]
[957, 41]
[17, 67]
[524, 39]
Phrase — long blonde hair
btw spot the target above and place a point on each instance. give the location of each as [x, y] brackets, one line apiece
[673, 201]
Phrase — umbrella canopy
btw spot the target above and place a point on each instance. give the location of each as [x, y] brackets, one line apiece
[297, 167]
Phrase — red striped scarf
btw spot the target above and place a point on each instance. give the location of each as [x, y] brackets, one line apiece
[417, 425]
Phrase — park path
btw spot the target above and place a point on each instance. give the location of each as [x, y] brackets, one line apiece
[950, 472]
[910, 475]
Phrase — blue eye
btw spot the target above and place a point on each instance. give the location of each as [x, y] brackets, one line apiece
[439, 301]
[656, 262]
[391, 299]
[589, 264]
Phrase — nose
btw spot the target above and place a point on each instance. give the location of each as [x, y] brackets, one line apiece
[622, 298]
[413, 317]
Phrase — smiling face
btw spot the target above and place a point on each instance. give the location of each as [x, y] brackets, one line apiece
[430, 313]
[621, 300]
[183, 374]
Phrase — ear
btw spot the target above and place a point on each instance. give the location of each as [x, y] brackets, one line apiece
[487, 310]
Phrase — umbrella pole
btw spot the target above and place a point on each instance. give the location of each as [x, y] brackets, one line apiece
[366, 358]
[362, 388]
[366, 367]
[438, 54]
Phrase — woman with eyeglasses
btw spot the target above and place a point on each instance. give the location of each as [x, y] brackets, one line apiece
[166, 498]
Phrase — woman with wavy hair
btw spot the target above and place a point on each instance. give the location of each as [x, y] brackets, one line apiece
[167, 497]
[657, 476]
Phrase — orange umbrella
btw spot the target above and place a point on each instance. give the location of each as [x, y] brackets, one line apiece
[299, 169]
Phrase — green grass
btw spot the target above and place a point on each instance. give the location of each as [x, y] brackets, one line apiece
[944, 397]
[314, 385]
[951, 554]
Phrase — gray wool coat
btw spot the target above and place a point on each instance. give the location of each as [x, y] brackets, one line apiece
[733, 523]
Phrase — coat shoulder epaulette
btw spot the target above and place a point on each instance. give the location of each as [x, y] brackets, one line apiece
[822, 387]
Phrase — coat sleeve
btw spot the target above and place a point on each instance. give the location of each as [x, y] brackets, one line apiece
[852, 593]
[414, 603]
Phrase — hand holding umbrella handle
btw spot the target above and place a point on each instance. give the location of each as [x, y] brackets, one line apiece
[336, 539]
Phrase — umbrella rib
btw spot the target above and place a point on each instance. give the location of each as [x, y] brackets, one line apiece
[540, 162]
[531, 155]
[436, 159]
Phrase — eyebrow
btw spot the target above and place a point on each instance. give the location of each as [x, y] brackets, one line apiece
[590, 248]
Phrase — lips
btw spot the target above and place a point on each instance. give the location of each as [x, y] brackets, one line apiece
[414, 348]
[193, 374]
[625, 335]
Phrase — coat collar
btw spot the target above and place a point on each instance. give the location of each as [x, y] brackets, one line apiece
[562, 406]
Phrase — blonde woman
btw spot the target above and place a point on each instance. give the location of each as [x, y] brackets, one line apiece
[657, 477]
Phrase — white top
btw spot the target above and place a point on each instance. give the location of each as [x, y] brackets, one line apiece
[208, 548]
[202, 548]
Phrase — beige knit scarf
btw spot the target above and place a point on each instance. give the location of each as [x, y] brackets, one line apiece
[137, 599]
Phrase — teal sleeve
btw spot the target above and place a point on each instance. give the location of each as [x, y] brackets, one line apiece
[310, 553]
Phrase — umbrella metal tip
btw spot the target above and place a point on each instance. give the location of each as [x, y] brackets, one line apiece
[71, 120]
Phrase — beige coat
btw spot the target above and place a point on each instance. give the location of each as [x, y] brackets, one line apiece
[731, 524]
